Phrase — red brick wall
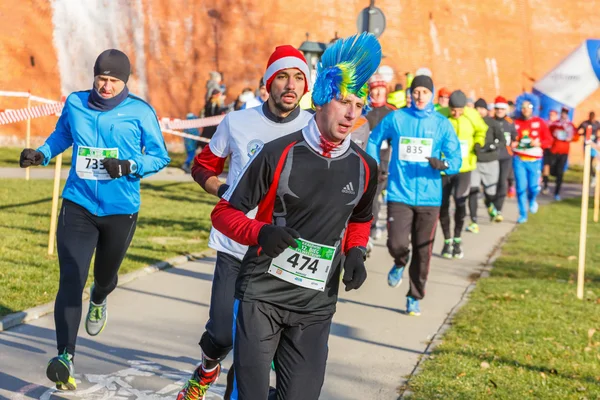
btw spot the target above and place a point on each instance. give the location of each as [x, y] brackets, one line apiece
[460, 41]
[25, 32]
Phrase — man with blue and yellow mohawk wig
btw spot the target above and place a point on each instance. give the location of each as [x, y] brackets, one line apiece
[314, 192]
[345, 68]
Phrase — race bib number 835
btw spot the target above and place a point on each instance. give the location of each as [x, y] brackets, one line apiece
[415, 149]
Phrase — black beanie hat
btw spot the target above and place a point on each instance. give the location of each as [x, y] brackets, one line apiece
[421, 80]
[458, 99]
[481, 103]
[113, 63]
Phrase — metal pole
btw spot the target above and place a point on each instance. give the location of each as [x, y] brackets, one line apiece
[371, 12]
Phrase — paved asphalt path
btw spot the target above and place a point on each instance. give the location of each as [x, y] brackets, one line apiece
[149, 346]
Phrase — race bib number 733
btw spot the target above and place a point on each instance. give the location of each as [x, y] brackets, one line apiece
[307, 266]
[89, 162]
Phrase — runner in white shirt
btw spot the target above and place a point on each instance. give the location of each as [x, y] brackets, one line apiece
[238, 136]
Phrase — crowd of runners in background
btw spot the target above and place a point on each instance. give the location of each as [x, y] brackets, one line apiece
[505, 150]
[502, 148]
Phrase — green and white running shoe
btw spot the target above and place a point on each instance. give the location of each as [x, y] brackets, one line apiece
[96, 318]
[61, 371]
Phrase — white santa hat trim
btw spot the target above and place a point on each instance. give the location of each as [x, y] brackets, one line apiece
[501, 105]
[285, 63]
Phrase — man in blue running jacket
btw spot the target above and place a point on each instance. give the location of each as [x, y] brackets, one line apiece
[116, 141]
[423, 144]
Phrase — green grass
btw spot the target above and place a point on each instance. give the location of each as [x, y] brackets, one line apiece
[177, 159]
[9, 157]
[574, 174]
[524, 334]
[174, 220]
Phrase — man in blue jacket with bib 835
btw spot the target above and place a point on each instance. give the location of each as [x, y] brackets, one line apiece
[116, 141]
[419, 136]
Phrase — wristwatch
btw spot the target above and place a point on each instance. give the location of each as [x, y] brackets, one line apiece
[133, 166]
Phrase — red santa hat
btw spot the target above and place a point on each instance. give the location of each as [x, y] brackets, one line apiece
[500, 102]
[285, 57]
[376, 81]
[444, 92]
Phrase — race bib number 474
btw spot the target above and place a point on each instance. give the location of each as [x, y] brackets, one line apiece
[307, 266]
[415, 149]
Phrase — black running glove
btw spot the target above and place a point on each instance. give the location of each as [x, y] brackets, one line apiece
[438, 164]
[355, 272]
[275, 239]
[30, 157]
[117, 168]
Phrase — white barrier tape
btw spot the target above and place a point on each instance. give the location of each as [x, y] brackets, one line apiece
[12, 116]
[14, 94]
[55, 107]
[168, 123]
[186, 135]
[4, 93]
[44, 100]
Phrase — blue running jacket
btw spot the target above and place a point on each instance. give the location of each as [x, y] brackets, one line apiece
[130, 131]
[416, 183]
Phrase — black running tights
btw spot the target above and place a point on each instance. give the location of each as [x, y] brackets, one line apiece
[79, 233]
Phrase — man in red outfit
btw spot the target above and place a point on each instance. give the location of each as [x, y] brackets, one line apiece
[563, 133]
[532, 137]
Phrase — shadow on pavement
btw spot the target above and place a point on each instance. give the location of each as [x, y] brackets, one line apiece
[115, 355]
[15, 385]
[21, 346]
[352, 333]
[360, 303]
[162, 296]
[194, 274]
[341, 374]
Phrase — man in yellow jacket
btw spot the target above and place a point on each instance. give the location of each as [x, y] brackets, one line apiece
[471, 130]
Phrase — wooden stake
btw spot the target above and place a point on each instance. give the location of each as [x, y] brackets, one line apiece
[28, 136]
[597, 195]
[54, 214]
[585, 197]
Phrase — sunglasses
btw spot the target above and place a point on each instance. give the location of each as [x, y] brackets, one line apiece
[527, 106]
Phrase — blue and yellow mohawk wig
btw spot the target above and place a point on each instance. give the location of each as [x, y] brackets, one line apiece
[530, 97]
[345, 68]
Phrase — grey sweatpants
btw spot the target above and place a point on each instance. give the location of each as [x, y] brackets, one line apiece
[486, 174]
